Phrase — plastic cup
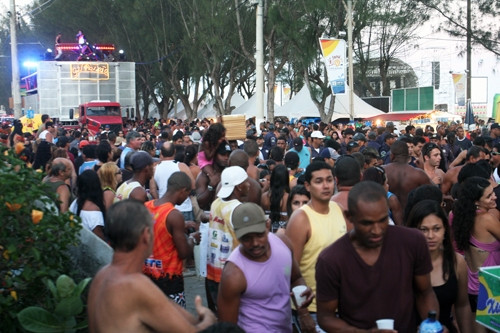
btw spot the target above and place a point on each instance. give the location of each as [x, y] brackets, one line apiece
[297, 290]
[385, 324]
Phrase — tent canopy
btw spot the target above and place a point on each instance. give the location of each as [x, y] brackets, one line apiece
[249, 108]
[302, 106]
[208, 111]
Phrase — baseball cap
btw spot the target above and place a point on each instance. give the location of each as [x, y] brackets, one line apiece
[495, 125]
[390, 135]
[348, 131]
[248, 218]
[224, 148]
[140, 160]
[107, 126]
[83, 143]
[196, 137]
[317, 134]
[329, 152]
[352, 144]
[359, 136]
[297, 142]
[231, 177]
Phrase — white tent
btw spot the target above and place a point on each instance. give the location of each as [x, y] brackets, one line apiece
[208, 110]
[178, 112]
[249, 108]
[301, 105]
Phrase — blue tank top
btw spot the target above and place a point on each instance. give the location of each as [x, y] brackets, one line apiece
[265, 304]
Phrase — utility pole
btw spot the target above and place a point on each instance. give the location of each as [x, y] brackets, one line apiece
[469, 51]
[350, 59]
[16, 93]
[259, 50]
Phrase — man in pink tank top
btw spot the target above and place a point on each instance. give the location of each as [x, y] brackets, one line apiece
[255, 286]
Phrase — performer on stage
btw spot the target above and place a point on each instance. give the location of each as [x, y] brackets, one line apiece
[58, 49]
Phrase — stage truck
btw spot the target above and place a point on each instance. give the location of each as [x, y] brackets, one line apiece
[79, 92]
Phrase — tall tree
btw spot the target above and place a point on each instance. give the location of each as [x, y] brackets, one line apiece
[382, 28]
[485, 28]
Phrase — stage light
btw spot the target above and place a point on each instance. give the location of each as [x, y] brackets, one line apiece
[122, 56]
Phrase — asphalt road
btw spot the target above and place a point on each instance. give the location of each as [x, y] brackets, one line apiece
[194, 285]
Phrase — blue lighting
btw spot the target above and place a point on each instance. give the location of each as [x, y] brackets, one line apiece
[30, 64]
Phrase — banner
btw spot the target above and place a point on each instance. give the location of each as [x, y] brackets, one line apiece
[333, 51]
[459, 81]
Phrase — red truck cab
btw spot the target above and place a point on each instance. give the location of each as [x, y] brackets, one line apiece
[100, 113]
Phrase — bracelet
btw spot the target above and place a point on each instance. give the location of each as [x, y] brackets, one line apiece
[191, 237]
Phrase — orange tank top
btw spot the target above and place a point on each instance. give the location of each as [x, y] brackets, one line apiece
[165, 261]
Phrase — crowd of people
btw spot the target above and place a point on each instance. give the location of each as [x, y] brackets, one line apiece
[352, 213]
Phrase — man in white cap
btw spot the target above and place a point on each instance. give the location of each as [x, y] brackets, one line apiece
[316, 143]
[234, 188]
[258, 276]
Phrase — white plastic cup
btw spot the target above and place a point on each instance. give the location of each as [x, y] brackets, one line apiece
[297, 290]
[385, 324]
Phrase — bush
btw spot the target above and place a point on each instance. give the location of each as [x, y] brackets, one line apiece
[62, 317]
[34, 239]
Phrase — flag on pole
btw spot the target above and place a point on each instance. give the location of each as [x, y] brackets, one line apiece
[469, 117]
[333, 51]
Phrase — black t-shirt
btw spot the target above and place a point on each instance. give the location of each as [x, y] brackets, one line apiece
[385, 290]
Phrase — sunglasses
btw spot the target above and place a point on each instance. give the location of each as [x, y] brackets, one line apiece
[430, 147]
[494, 153]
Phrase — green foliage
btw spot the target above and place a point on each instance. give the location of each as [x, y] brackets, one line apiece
[33, 239]
[69, 304]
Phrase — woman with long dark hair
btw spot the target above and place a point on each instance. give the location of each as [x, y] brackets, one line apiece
[276, 198]
[449, 272]
[476, 231]
[191, 159]
[89, 204]
[298, 197]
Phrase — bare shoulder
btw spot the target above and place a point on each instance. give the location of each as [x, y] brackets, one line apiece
[298, 221]
[284, 238]
[233, 279]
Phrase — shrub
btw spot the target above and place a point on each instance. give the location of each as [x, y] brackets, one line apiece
[34, 239]
[62, 317]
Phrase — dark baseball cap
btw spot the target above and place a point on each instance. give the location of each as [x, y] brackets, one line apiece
[224, 148]
[297, 142]
[495, 125]
[140, 160]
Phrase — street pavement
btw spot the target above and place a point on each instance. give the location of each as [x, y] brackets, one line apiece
[194, 285]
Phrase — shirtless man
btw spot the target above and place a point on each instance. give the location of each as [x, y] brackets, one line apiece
[432, 158]
[347, 174]
[143, 307]
[402, 177]
[474, 154]
[240, 158]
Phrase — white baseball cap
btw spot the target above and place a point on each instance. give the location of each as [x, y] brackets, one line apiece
[231, 177]
[317, 134]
